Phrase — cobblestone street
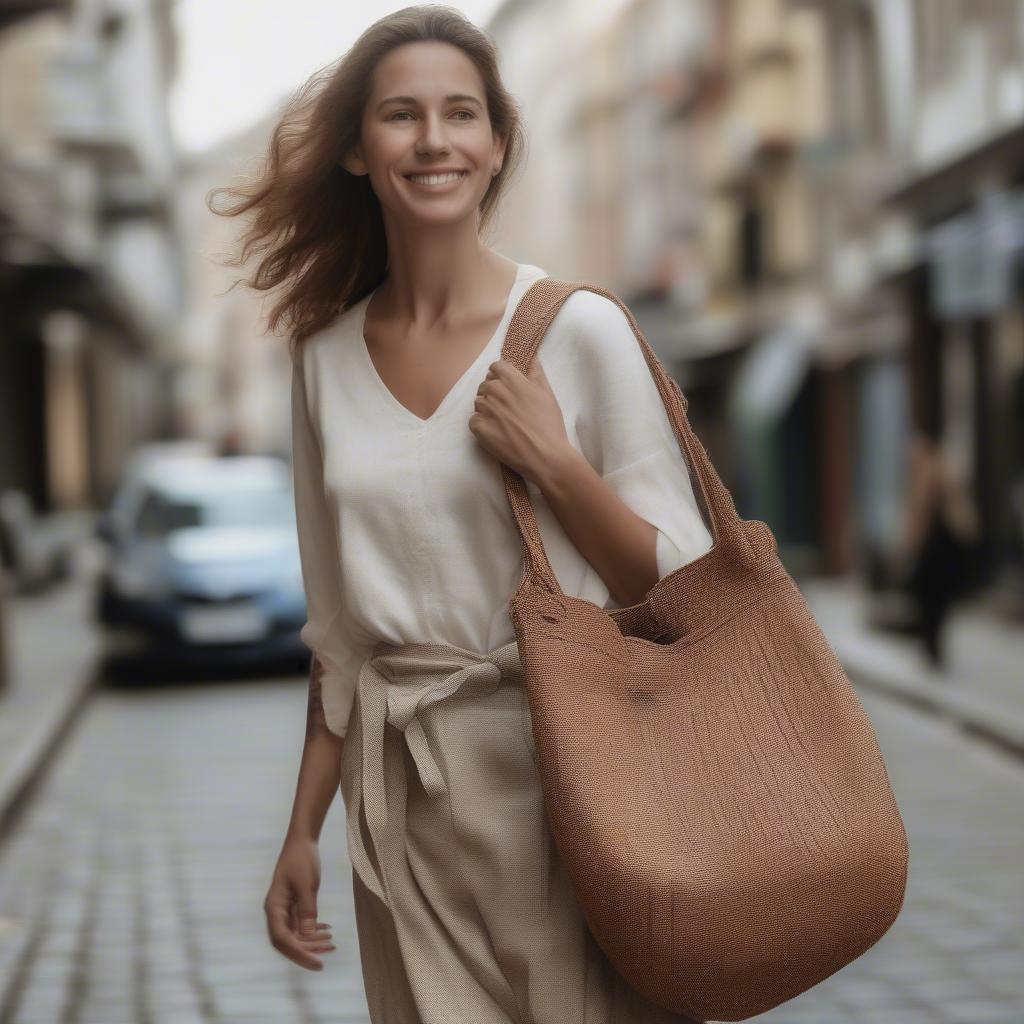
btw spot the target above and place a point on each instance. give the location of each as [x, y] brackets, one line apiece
[955, 953]
[132, 888]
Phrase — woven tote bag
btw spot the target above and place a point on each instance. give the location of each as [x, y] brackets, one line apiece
[712, 781]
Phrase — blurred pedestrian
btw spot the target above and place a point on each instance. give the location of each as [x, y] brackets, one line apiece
[941, 540]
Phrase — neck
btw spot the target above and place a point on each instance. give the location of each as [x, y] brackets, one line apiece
[432, 274]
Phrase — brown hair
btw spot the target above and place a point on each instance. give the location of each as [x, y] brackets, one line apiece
[319, 228]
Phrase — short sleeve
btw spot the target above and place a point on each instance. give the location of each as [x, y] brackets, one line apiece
[625, 431]
[318, 551]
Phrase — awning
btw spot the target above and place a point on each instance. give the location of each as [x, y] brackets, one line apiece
[941, 190]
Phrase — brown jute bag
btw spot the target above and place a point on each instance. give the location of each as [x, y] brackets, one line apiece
[712, 781]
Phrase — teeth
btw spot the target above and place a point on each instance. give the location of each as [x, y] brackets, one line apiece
[435, 179]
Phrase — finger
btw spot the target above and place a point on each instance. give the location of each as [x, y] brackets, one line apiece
[287, 944]
[320, 935]
[287, 907]
[287, 947]
[307, 913]
[321, 931]
[502, 369]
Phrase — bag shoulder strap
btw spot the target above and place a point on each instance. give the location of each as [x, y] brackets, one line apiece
[530, 321]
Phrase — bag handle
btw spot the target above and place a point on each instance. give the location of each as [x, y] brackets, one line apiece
[530, 321]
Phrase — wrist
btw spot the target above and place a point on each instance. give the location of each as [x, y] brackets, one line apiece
[559, 470]
[298, 832]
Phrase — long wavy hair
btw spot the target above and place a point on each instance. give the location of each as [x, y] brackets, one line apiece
[317, 228]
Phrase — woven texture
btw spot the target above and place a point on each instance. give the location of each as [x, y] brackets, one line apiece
[712, 781]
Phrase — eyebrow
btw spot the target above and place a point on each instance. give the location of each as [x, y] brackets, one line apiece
[455, 97]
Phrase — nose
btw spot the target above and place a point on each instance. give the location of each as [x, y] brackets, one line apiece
[433, 136]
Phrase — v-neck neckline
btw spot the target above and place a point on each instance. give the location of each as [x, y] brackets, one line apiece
[389, 396]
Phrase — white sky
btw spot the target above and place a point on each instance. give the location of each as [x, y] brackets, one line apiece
[239, 58]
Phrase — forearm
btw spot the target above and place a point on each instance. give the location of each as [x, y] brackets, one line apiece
[621, 547]
[320, 769]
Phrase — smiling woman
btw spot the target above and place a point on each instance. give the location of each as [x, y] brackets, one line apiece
[317, 219]
[380, 180]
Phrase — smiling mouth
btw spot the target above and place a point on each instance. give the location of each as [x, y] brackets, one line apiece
[436, 179]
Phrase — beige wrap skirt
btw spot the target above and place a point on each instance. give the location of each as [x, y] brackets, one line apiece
[464, 911]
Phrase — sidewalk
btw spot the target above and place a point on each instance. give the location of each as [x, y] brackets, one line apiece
[981, 690]
[51, 654]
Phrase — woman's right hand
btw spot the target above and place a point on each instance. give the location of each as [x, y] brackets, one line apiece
[290, 905]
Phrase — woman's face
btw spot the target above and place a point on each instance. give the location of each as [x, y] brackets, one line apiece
[438, 123]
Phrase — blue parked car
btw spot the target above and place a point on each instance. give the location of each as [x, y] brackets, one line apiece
[203, 562]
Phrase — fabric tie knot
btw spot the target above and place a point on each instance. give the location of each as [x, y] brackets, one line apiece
[396, 686]
[405, 707]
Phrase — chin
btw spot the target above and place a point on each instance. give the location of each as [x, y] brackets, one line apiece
[440, 216]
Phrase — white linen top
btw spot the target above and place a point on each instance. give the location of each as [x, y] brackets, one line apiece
[405, 532]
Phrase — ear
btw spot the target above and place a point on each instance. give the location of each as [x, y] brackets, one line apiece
[353, 161]
[500, 154]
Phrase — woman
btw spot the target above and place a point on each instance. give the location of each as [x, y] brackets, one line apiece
[371, 212]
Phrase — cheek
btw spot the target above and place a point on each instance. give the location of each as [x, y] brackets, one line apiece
[382, 152]
[483, 146]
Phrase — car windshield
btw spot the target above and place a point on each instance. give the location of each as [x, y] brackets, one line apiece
[237, 507]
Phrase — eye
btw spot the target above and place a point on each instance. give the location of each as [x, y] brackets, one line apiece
[469, 114]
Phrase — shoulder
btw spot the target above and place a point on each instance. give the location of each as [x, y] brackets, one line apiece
[337, 334]
[587, 310]
[325, 357]
[596, 330]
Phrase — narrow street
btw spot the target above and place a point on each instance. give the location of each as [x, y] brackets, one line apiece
[136, 877]
[809, 215]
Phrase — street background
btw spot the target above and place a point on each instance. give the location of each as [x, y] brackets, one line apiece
[815, 209]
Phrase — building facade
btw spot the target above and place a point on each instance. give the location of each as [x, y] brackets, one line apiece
[90, 272]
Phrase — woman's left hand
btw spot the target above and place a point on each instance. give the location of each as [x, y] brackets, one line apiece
[518, 419]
